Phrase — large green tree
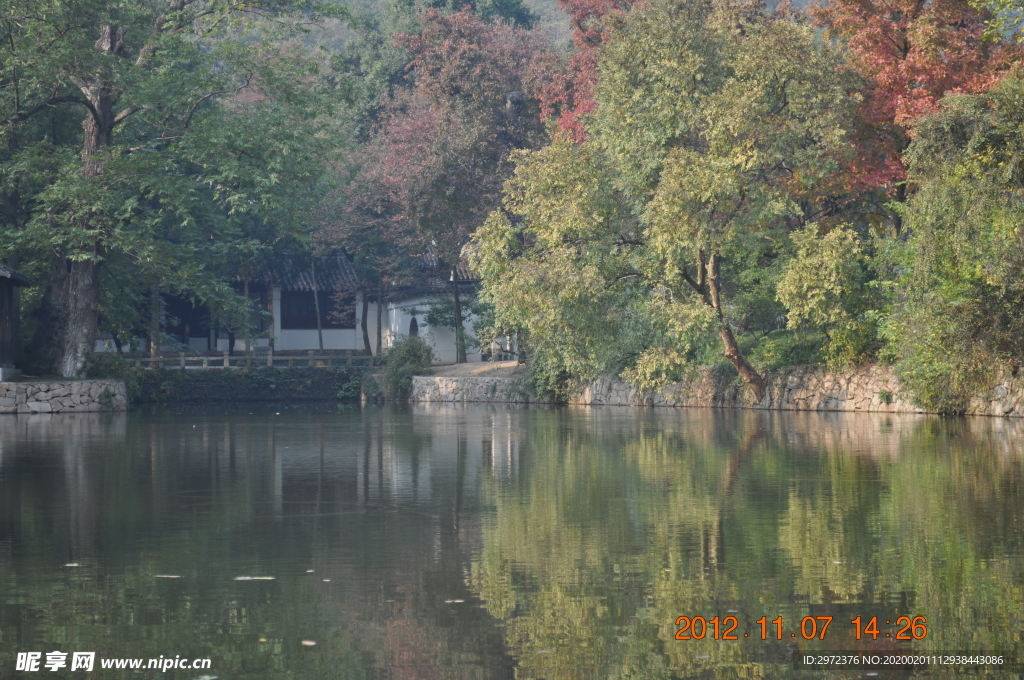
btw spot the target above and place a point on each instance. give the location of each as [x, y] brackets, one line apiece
[432, 169]
[722, 129]
[194, 120]
[961, 312]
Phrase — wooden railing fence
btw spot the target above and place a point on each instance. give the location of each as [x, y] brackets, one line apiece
[185, 362]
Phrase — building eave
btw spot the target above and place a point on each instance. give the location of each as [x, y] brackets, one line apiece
[15, 278]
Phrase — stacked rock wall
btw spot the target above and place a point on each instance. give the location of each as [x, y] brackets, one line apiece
[802, 388]
[66, 396]
[468, 389]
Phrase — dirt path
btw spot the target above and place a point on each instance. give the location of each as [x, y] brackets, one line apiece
[480, 369]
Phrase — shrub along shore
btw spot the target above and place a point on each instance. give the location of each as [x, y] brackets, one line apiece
[158, 386]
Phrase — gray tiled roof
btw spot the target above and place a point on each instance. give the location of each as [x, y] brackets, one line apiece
[431, 262]
[333, 272]
[16, 278]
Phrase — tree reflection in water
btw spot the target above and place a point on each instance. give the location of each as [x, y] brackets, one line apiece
[494, 542]
[625, 520]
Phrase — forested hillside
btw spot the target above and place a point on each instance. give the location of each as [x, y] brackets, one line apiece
[642, 189]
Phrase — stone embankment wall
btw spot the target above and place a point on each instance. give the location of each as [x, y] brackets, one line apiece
[70, 396]
[468, 389]
[803, 388]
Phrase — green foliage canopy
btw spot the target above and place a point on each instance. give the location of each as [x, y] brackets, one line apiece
[963, 314]
[718, 131]
[201, 127]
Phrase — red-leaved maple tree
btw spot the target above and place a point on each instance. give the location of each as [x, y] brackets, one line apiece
[565, 89]
[449, 139]
[910, 53]
[434, 166]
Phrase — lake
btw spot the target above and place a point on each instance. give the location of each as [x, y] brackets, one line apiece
[423, 542]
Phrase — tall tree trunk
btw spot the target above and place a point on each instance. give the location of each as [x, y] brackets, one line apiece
[82, 321]
[248, 317]
[316, 304]
[78, 335]
[380, 314]
[270, 315]
[460, 338]
[897, 216]
[15, 311]
[736, 358]
[211, 339]
[732, 350]
[154, 322]
[362, 323]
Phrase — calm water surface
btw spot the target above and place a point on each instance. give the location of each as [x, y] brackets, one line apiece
[490, 542]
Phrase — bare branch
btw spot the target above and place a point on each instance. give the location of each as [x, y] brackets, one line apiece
[160, 27]
[125, 113]
[198, 103]
[693, 284]
[50, 103]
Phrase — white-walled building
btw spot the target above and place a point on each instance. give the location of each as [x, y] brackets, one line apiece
[285, 314]
[400, 317]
